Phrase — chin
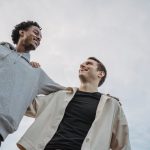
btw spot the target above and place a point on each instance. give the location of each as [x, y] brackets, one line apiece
[81, 76]
[33, 47]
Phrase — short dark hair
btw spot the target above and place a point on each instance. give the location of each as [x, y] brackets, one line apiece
[22, 26]
[100, 67]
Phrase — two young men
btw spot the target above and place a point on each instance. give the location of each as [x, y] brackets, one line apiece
[78, 118]
[19, 81]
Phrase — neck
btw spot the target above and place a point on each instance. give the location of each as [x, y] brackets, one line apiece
[88, 87]
[20, 49]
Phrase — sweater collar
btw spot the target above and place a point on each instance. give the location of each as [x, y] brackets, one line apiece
[25, 55]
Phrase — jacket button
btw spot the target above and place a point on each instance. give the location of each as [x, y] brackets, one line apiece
[87, 140]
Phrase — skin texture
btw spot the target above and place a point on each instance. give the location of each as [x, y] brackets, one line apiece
[89, 76]
[29, 39]
[35, 64]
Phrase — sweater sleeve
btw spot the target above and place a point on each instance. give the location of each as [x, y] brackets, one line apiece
[47, 85]
[120, 135]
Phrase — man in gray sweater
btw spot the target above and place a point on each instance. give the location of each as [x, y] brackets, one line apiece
[19, 81]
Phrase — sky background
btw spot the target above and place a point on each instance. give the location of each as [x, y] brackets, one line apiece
[117, 32]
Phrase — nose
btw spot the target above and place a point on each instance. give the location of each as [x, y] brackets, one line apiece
[82, 65]
[39, 38]
[38, 35]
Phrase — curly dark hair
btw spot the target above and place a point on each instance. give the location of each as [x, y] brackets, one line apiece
[100, 67]
[22, 26]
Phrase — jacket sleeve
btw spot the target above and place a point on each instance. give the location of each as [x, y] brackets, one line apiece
[120, 135]
[38, 105]
[32, 109]
[47, 85]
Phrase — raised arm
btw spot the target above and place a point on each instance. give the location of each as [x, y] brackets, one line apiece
[38, 105]
[47, 85]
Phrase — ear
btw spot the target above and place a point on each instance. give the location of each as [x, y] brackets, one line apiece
[101, 74]
[21, 33]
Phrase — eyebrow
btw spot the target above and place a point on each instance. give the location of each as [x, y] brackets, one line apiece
[89, 62]
[35, 30]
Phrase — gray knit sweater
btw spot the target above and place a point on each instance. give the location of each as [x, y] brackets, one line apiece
[19, 84]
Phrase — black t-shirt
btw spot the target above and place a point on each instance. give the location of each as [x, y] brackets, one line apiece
[78, 118]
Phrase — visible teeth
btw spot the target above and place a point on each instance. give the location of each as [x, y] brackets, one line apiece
[84, 70]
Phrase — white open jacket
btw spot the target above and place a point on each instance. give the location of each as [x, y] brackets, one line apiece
[108, 131]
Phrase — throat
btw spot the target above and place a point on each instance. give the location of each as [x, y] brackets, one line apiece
[20, 48]
[88, 88]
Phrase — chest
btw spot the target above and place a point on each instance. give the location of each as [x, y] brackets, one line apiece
[82, 108]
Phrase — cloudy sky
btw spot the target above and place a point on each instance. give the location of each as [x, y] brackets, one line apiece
[117, 32]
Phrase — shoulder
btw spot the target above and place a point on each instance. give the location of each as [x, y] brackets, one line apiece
[67, 92]
[7, 45]
[113, 98]
[55, 96]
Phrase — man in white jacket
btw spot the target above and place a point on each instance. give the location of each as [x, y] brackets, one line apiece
[78, 118]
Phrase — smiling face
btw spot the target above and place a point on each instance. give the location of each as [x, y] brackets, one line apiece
[30, 38]
[89, 73]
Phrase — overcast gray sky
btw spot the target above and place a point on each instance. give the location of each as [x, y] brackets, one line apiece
[117, 32]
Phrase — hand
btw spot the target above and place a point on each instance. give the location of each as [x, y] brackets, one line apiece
[35, 64]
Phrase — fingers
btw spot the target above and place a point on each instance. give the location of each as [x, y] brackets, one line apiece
[35, 64]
